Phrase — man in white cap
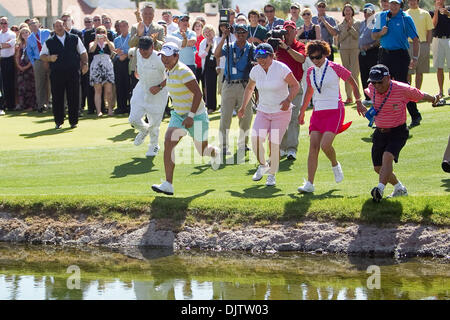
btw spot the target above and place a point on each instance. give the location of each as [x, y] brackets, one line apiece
[188, 115]
[149, 96]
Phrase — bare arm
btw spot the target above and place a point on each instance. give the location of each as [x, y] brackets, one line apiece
[247, 96]
[294, 88]
[195, 89]
[306, 100]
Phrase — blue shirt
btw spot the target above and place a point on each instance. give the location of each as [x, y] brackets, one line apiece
[239, 60]
[32, 44]
[276, 22]
[187, 54]
[122, 43]
[326, 36]
[400, 28]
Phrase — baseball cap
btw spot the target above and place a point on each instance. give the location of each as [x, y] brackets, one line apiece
[162, 22]
[169, 48]
[397, 1]
[241, 26]
[289, 23]
[263, 50]
[378, 72]
[295, 5]
[321, 1]
[183, 16]
[145, 43]
[369, 6]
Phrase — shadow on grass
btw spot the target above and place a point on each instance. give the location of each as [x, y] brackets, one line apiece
[446, 184]
[257, 192]
[163, 207]
[373, 212]
[47, 132]
[136, 166]
[126, 135]
[298, 208]
[286, 164]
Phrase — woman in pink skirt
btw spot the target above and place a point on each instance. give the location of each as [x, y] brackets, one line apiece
[327, 119]
[277, 88]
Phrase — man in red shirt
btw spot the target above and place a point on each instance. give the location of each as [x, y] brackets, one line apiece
[389, 100]
[292, 53]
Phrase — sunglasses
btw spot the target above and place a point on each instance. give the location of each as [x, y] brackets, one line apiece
[269, 11]
[316, 57]
[306, 14]
[321, 6]
[376, 82]
[97, 20]
[3, 22]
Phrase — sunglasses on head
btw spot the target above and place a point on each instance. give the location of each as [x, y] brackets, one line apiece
[316, 57]
[261, 52]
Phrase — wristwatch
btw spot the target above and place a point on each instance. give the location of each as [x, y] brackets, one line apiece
[160, 86]
[288, 48]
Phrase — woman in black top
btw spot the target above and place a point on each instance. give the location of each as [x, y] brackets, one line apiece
[102, 69]
[308, 31]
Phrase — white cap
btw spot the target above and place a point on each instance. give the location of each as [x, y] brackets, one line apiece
[169, 48]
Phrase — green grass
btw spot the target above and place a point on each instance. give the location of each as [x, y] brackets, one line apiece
[96, 169]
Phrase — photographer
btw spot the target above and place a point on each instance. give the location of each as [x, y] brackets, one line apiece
[292, 53]
[238, 55]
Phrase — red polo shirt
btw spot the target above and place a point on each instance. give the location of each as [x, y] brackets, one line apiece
[286, 58]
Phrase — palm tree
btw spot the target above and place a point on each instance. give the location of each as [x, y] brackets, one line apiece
[30, 9]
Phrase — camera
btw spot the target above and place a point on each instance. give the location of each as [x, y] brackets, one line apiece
[224, 17]
[276, 35]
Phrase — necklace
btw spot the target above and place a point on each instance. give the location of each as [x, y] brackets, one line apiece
[321, 80]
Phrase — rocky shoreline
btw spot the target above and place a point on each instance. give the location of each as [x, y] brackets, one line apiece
[306, 236]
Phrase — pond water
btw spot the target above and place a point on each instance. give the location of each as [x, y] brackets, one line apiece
[47, 272]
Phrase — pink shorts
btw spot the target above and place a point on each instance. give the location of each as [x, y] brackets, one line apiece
[274, 124]
[327, 120]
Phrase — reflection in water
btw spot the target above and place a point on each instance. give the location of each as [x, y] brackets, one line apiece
[33, 272]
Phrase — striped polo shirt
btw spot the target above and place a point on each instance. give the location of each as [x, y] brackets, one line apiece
[181, 96]
[393, 112]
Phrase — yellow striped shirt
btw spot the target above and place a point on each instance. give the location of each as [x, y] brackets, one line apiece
[181, 96]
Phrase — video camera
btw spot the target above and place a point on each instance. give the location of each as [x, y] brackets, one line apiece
[276, 35]
[224, 17]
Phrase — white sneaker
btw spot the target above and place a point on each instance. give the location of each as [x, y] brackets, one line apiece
[152, 150]
[291, 155]
[306, 187]
[2, 112]
[270, 180]
[216, 160]
[140, 137]
[400, 192]
[262, 170]
[338, 174]
[283, 153]
[165, 187]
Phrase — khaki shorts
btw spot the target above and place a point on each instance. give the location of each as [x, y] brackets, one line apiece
[441, 52]
[423, 63]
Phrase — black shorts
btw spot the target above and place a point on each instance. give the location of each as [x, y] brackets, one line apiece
[392, 141]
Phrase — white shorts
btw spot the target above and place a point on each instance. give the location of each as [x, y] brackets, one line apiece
[441, 52]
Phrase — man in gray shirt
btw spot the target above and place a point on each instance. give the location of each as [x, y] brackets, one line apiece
[328, 26]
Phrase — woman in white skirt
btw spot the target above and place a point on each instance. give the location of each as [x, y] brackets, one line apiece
[102, 69]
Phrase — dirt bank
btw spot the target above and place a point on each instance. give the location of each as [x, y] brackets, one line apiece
[350, 238]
